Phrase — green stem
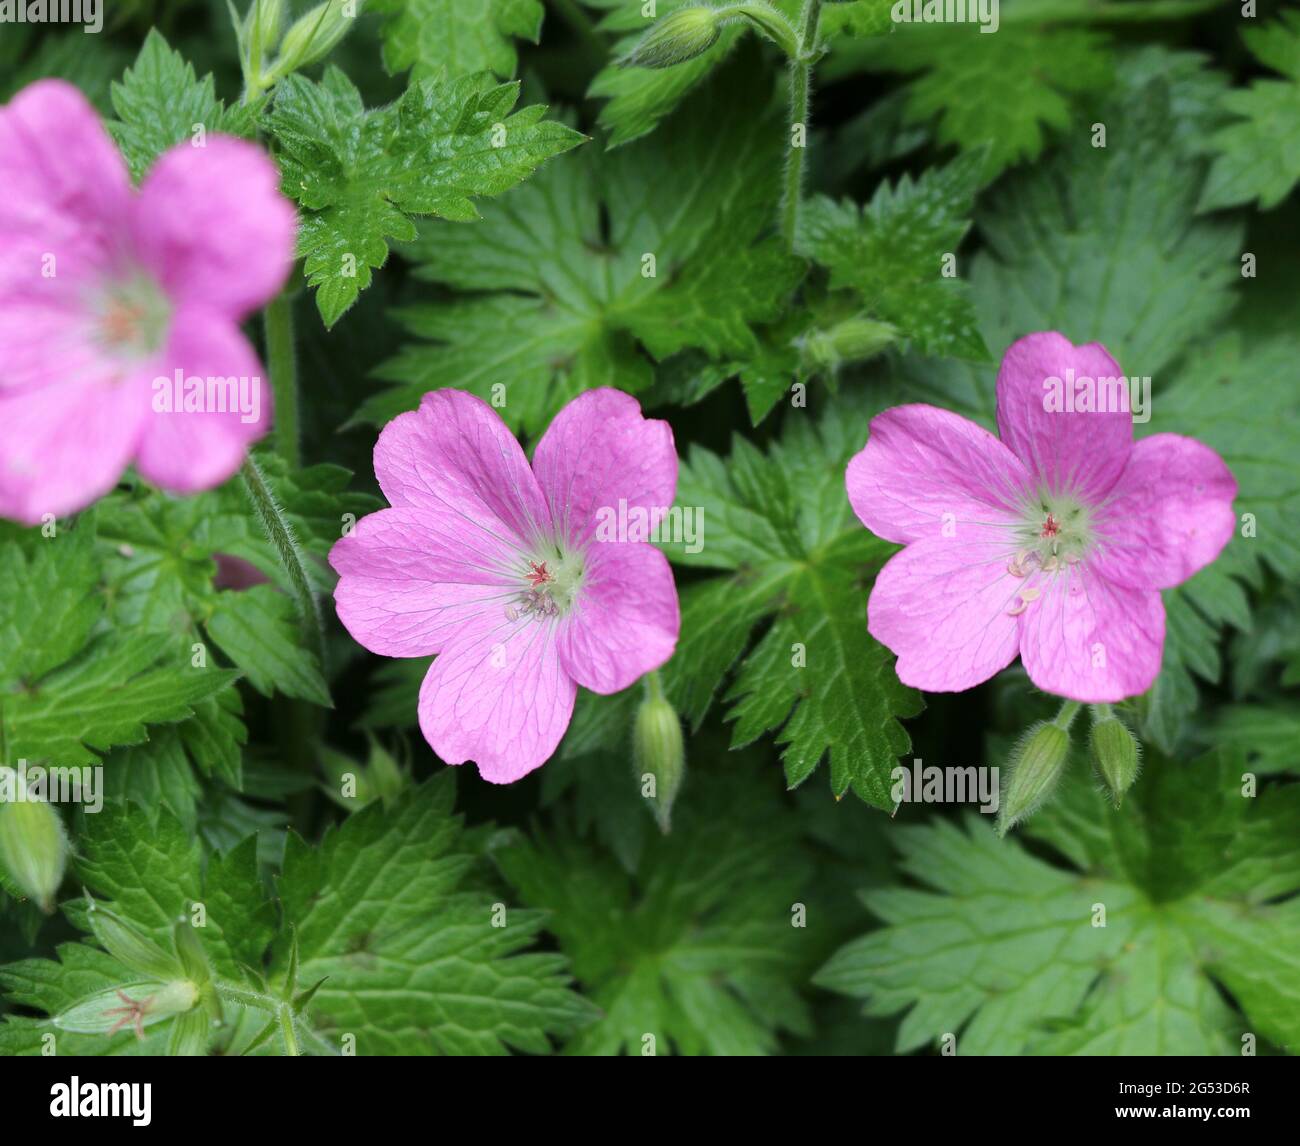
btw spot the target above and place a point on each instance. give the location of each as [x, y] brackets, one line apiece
[280, 533]
[290, 1035]
[282, 365]
[654, 687]
[1100, 712]
[801, 71]
[1064, 718]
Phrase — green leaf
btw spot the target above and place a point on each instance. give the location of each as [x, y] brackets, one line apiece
[384, 911]
[159, 102]
[446, 39]
[1257, 156]
[411, 958]
[781, 526]
[892, 252]
[361, 174]
[1019, 101]
[664, 243]
[105, 697]
[695, 946]
[1005, 951]
[258, 629]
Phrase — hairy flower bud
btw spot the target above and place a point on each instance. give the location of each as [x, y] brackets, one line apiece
[263, 24]
[1036, 765]
[314, 35]
[135, 1005]
[659, 754]
[852, 340]
[130, 946]
[1115, 752]
[33, 845]
[678, 37]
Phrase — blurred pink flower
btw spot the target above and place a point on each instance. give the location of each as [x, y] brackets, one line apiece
[502, 570]
[1053, 543]
[104, 291]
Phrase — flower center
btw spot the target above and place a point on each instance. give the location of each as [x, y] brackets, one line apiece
[1056, 531]
[550, 582]
[131, 317]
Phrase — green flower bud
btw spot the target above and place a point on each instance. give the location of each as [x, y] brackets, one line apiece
[314, 35]
[1036, 764]
[136, 1005]
[659, 754]
[1116, 753]
[33, 846]
[678, 37]
[263, 24]
[849, 341]
[130, 946]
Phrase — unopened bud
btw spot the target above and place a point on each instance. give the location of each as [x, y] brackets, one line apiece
[263, 24]
[33, 844]
[1036, 765]
[134, 1005]
[130, 946]
[852, 340]
[678, 37]
[314, 35]
[1116, 753]
[659, 753]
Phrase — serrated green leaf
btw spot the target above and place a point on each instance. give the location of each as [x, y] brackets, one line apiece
[258, 629]
[445, 39]
[782, 526]
[663, 243]
[892, 254]
[1257, 155]
[160, 102]
[361, 174]
[1005, 951]
[401, 975]
[693, 947]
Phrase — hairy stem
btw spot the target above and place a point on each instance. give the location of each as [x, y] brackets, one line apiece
[801, 72]
[282, 364]
[280, 533]
[1069, 710]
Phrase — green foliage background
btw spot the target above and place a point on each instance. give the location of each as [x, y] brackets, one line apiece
[786, 912]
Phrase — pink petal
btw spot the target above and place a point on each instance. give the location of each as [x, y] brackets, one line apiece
[942, 606]
[498, 696]
[1077, 452]
[600, 450]
[410, 578]
[47, 339]
[1169, 515]
[1089, 639]
[65, 446]
[455, 454]
[190, 451]
[212, 226]
[64, 191]
[923, 467]
[626, 619]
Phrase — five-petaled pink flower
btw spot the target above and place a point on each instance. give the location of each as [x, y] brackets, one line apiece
[1053, 543]
[104, 291]
[501, 570]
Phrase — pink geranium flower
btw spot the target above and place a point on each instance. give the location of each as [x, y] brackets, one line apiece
[105, 290]
[503, 571]
[1053, 543]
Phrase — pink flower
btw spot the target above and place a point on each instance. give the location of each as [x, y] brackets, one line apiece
[1053, 543]
[505, 571]
[104, 291]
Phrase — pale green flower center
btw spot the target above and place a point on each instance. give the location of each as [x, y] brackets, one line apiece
[1056, 532]
[131, 317]
[552, 580]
